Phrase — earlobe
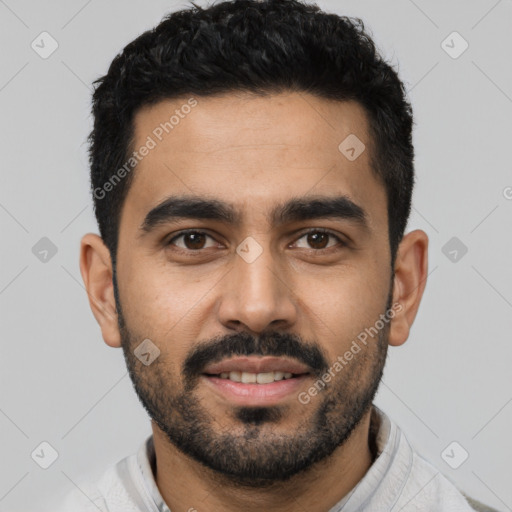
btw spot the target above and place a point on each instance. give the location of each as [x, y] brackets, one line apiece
[96, 270]
[410, 277]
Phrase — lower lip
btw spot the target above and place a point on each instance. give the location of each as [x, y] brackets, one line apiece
[255, 394]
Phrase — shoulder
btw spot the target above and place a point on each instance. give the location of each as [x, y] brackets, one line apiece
[426, 484]
[107, 493]
[419, 485]
[86, 497]
[477, 506]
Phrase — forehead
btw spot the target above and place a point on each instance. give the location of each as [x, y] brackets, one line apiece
[252, 152]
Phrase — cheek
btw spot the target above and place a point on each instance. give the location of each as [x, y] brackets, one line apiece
[155, 290]
[164, 305]
[342, 306]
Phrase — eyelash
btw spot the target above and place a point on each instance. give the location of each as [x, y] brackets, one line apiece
[302, 235]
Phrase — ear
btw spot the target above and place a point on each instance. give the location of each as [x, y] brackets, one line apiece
[96, 270]
[410, 278]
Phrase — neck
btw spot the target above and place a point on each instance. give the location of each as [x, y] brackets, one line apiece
[187, 485]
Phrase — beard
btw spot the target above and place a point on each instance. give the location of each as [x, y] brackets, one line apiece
[253, 451]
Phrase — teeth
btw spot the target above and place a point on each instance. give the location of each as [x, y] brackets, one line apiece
[260, 378]
[248, 378]
[265, 378]
[236, 376]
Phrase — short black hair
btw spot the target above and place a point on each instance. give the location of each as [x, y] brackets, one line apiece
[261, 47]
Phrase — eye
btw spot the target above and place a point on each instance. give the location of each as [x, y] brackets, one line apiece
[192, 240]
[318, 239]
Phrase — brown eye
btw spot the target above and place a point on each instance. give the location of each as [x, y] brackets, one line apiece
[318, 239]
[192, 240]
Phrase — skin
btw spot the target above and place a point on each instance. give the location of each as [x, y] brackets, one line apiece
[255, 152]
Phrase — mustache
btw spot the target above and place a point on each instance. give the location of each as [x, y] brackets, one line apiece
[244, 344]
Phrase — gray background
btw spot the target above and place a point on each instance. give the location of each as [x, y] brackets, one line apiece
[450, 382]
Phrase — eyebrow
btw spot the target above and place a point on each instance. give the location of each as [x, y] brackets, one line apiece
[177, 208]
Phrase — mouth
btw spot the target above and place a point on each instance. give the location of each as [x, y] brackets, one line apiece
[253, 381]
[242, 388]
[256, 378]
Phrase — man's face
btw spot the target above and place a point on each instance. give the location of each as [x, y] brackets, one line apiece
[293, 288]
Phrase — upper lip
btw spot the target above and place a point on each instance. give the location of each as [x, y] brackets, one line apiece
[253, 364]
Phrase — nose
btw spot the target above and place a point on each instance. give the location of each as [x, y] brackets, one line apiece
[257, 294]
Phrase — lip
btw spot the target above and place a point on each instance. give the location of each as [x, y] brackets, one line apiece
[253, 364]
[254, 394]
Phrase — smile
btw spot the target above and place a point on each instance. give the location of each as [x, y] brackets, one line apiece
[254, 393]
[255, 378]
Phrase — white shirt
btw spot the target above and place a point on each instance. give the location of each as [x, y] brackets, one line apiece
[399, 480]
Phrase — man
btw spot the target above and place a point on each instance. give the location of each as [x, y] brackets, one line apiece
[252, 172]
